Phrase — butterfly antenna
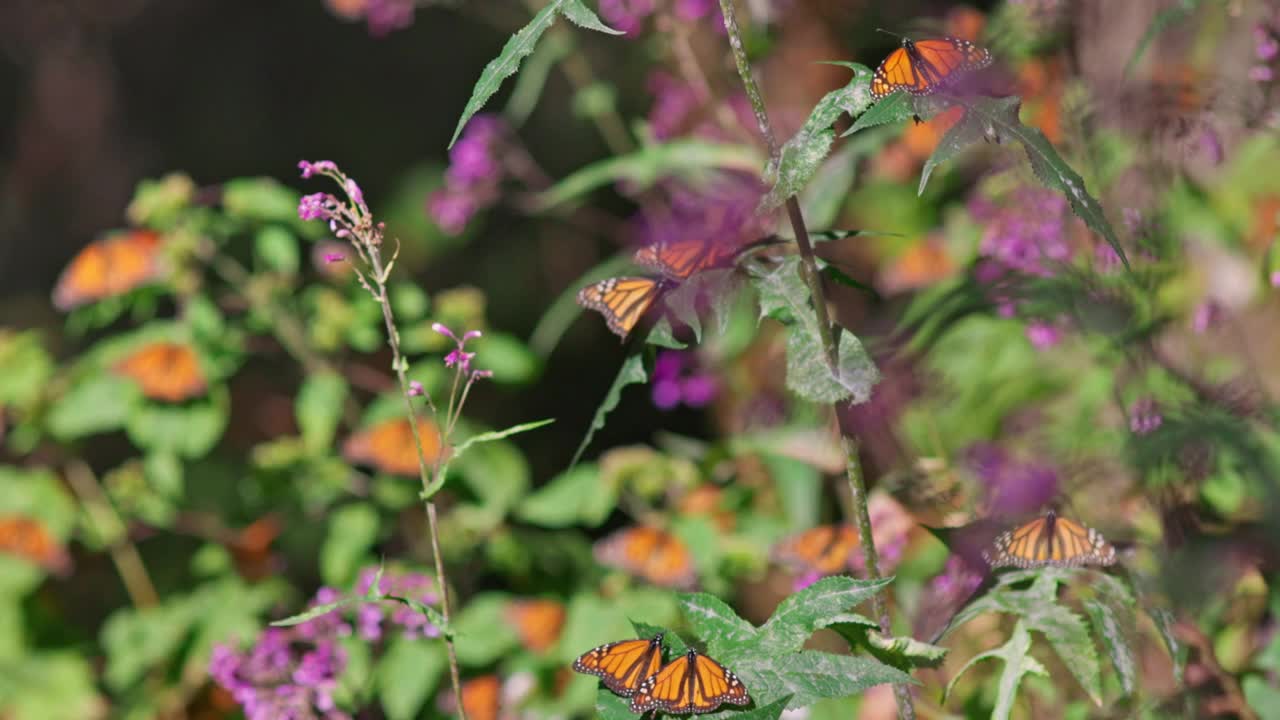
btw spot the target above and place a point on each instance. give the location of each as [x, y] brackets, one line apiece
[893, 34]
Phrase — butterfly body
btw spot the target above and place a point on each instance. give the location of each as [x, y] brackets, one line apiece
[1050, 541]
[622, 666]
[693, 683]
[922, 67]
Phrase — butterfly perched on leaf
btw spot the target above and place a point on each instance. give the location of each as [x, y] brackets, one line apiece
[692, 683]
[649, 553]
[922, 67]
[166, 371]
[110, 266]
[28, 538]
[389, 447]
[826, 549]
[623, 665]
[537, 622]
[1050, 541]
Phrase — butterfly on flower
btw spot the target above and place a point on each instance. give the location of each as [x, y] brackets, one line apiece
[623, 665]
[110, 266]
[537, 622]
[922, 67]
[166, 371]
[1050, 541]
[825, 550]
[692, 683]
[649, 553]
[389, 447]
[28, 538]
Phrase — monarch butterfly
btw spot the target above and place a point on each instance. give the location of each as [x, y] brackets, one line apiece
[482, 697]
[683, 259]
[621, 300]
[922, 67]
[623, 665]
[29, 538]
[1050, 540]
[537, 622]
[389, 446]
[652, 554]
[693, 683]
[112, 265]
[825, 549]
[165, 371]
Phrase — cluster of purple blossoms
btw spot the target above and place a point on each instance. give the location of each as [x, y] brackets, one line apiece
[291, 673]
[677, 379]
[723, 211]
[1044, 335]
[676, 105]
[1026, 232]
[629, 15]
[475, 171]
[348, 219]
[1266, 48]
[1144, 416]
[382, 17]
[1012, 487]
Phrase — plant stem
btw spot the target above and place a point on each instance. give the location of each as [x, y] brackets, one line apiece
[809, 265]
[111, 529]
[400, 365]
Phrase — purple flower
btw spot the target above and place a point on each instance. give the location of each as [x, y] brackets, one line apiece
[695, 9]
[320, 166]
[474, 174]
[1144, 416]
[451, 210]
[317, 206]
[1012, 487]
[1275, 278]
[282, 675]
[386, 16]
[1206, 315]
[1261, 73]
[1028, 232]
[673, 102]
[1265, 46]
[416, 389]
[1211, 144]
[334, 257]
[626, 15]
[1043, 335]
[676, 380]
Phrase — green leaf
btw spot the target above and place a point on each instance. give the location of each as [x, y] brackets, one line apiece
[801, 156]
[260, 200]
[578, 496]
[632, 372]
[1017, 662]
[189, 430]
[483, 633]
[136, 640]
[276, 249]
[493, 435]
[716, 623]
[801, 614]
[1167, 17]
[965, 132]
[96, 403]
[507, 358]
[318, 408]
[647, 165]
[50, 685]
[407, 674]
[434, 616]
[1106, 623]
[25, 368]
[530, 82]
[1262, 696]
[808, 676]
[497, 474]
[316, 611]
[163, 471]
[904, 653]
[519, 47]
[810, 377]
[353, 529]
[1164, 623]
[895, 108]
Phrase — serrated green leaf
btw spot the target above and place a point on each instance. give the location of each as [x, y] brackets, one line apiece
[1164, 623]
[644, 167]
[1016, 654]
[716, 623]
[809, 376]
[612, 707]
[407, 674]
[1106, 623]
[318, 409]
[808, 676]
[434, 616]
[632, 372]
[518, 47]
[895, 108]
[578, 496]
[904, 653]
[312, 613]
[966, 131]
[801, 614]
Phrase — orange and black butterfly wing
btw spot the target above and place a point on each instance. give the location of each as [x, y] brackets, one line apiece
[109, 266]
[894, 73]
[922, 67]
[622, 301]
[165, 371]
[666, 690]
[693, 683]
[715, 685]
[482, 697]
[622, 666]
[1050, 541]
[1076, 544]
[824, 549]
[670, 564]
[537, 622]
[683, 259]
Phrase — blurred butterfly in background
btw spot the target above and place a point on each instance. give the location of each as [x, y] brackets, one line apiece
[826, 549]
[651, 554]
[482, 697]
[29, 538]
[623, 301]
[537, 622]
[923, 67]
[166, 371]
[110, 266]
[623, 665]
[693, 683]
[388, 446]
[1050, 541]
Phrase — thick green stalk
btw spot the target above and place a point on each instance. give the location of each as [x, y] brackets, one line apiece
[809, 265]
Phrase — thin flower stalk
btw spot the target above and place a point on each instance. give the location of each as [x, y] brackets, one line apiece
[857, 485]
[352, 221]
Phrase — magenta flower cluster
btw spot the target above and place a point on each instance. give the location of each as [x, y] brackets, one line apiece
[474, 174]
[629, 15]
[348, 219]
[1026, 231]
[677, 380]
[1266, 48]
[459, 357]
[1012, 487]
[291, 673]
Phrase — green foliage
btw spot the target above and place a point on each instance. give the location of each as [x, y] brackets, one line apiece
[1017, 663]
[520, 46]
[632, 372]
